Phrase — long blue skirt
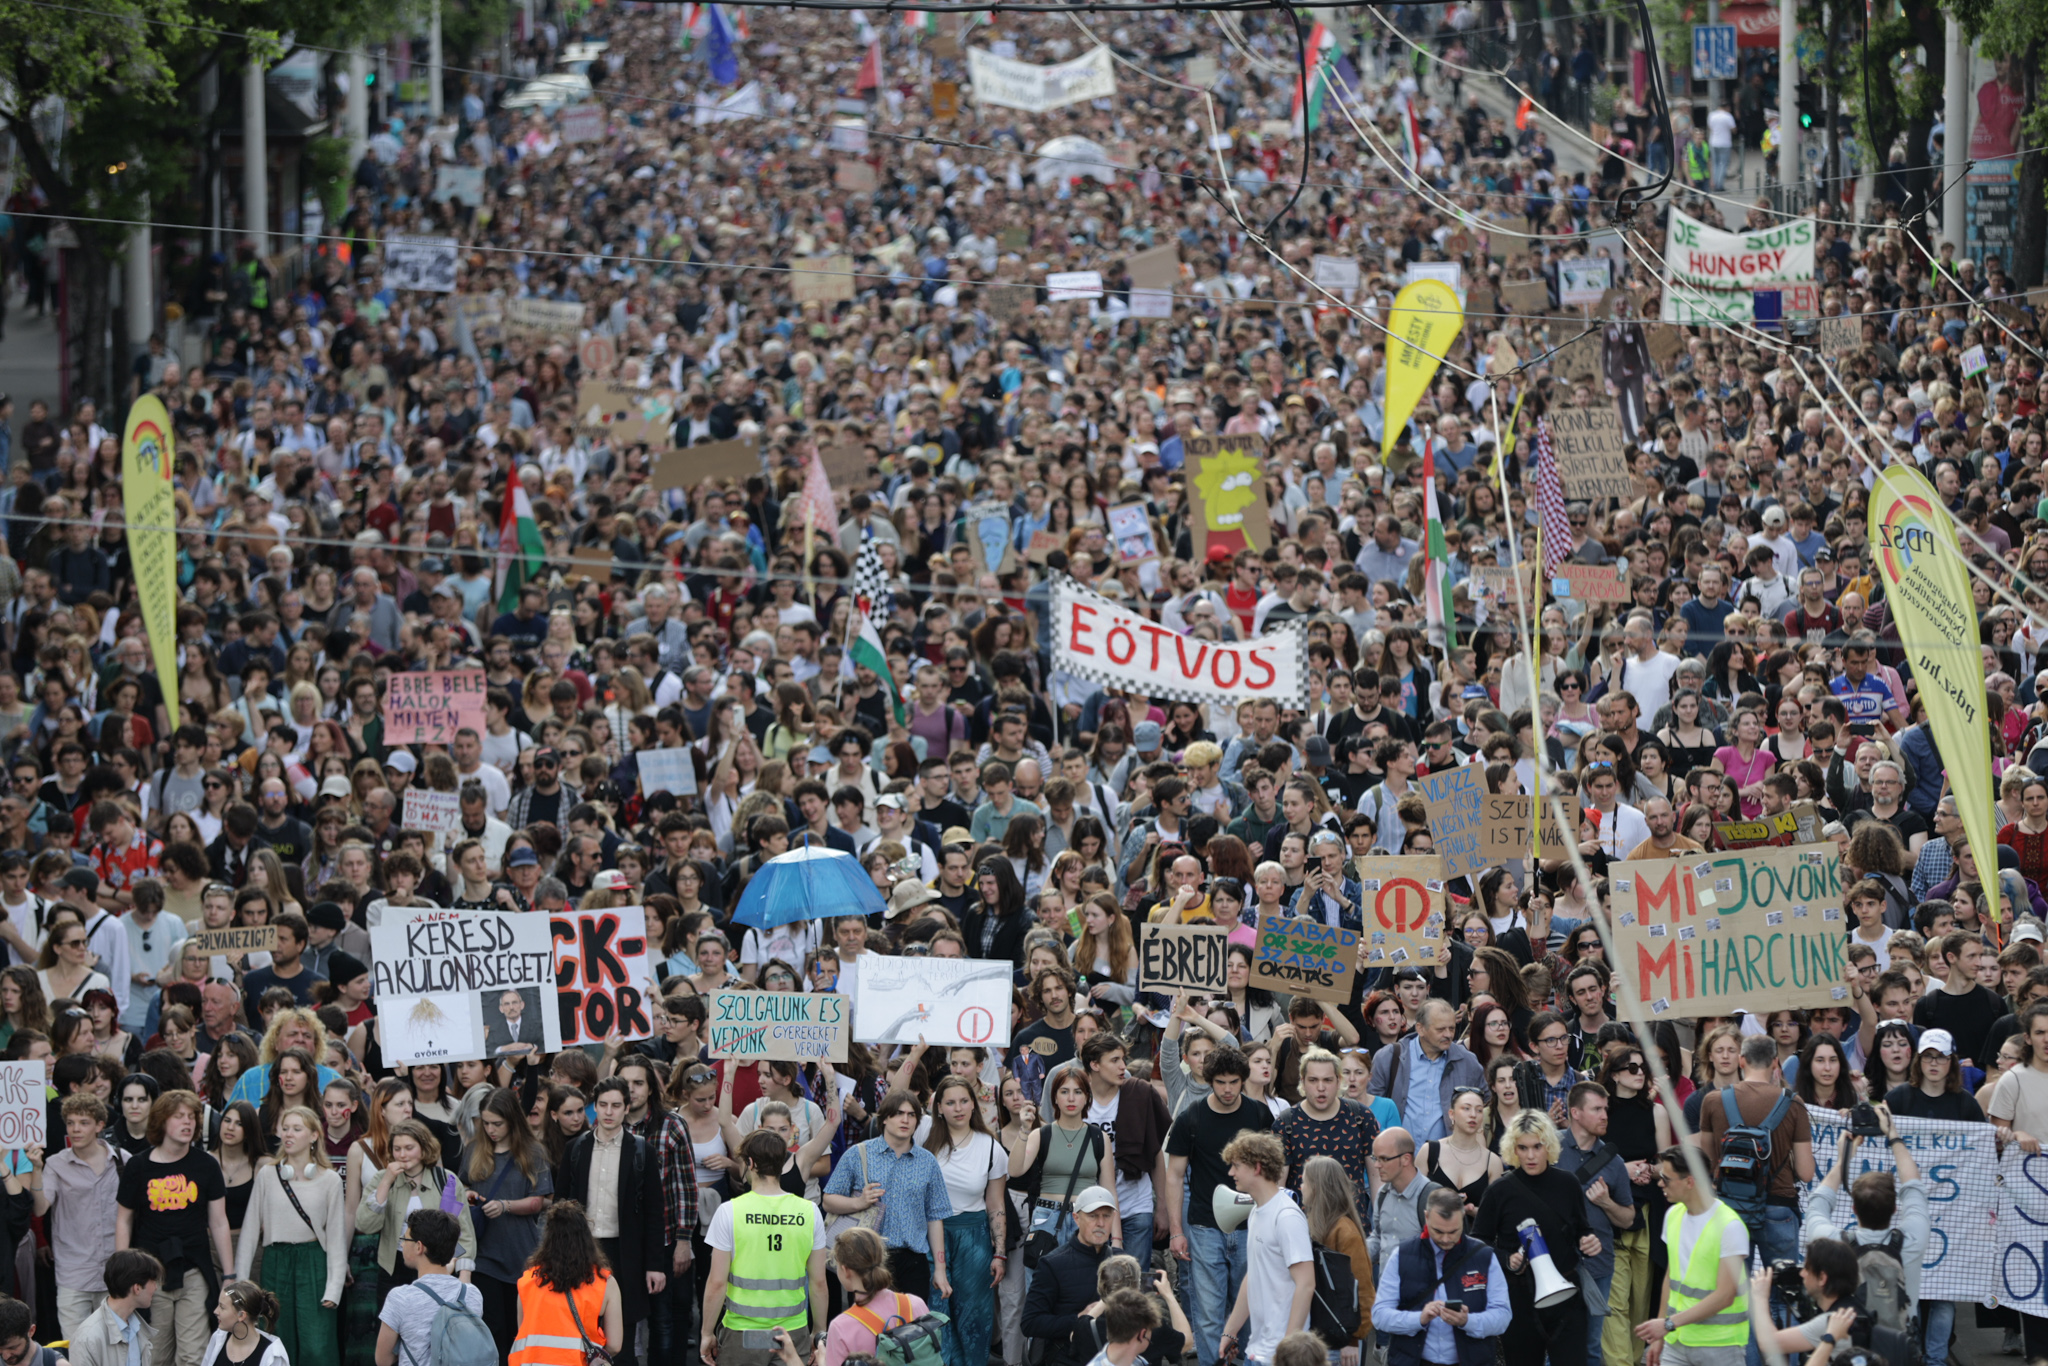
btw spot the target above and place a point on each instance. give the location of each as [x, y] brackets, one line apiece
[971, 1308]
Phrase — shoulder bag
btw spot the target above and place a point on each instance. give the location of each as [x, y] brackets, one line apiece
[593, 1355]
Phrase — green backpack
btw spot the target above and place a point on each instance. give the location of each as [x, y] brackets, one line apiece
[904, 1341]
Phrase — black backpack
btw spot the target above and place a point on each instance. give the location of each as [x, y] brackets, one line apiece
[1333, 1313]
[1745, 1181]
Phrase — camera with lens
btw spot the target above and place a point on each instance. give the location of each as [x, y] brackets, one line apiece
[1788, 1291]
[1863, 1121]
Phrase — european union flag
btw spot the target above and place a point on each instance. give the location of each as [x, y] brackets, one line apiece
[725, 66]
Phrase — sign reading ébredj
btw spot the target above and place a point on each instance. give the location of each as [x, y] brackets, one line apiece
[1184, 958]
[428, 708]
[792, 1025]
[1304, 957]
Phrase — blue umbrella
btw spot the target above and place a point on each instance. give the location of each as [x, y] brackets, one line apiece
[810, 883]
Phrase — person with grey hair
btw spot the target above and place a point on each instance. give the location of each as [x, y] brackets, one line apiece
[367, 599]
[1935, 863]
[1774, 1231]
[671, 637]
[1122, 1272]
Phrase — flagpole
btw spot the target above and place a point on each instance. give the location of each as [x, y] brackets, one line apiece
[1525, 614]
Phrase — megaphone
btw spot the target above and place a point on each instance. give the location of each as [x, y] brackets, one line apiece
[1231, 1208]
[1551, 1288]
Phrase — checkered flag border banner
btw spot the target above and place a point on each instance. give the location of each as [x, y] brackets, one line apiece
[871, 584]
[1290, 638]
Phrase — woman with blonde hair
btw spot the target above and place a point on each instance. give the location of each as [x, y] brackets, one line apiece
[293, 1027]
[415, 1175]
[1534, 1187]
[298, 1216]
[266, 871]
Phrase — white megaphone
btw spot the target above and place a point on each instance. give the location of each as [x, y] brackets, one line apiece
[1551, 1288]
[1231, 1208]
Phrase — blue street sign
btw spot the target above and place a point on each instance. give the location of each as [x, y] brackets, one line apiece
[1713, 52]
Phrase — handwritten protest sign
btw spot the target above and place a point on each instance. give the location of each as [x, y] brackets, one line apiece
[667, 770]
[1504, 827]
[237, 939]
[437, 813]
[1183, 958]
[454, 986]
[792, 1025]
[24, 1105]
[1959, 1162]
[1714, 934]
[601, 974]
[543, 317]
[1592, 457]
[822, 279]
[1452, 799]
[1594, 582]
[1404, 910]
[428, 708]
[1304, 957]
[944, 1000]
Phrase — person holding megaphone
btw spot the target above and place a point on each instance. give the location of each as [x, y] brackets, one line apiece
[1534, 1217]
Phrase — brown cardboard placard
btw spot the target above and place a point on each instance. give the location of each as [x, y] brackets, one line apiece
[1401, 901]
[1184, 958]
[1504, 822]
[990, 548]
[1666, 343]
[822, 279]
[1594, 582]
[1158, 268]
[1525, 298]
[1013, 239]
[1302, 956]
[716, 460]
[1043, 543]
[1592, 456]
[237, 939]
[857, 177]
[1226, 489]
[844, 464]
[945, 100]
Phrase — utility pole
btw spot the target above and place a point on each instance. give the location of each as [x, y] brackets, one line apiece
[255, 157]
[1790, 174]
[1955, 138]
[434, 60]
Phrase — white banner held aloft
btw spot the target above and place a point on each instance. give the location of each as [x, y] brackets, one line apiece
[943, 1001]
[667, 770]
[457, 986]
[1095, 639]
[426, 263]
[1035, 89]
[437, 813]
[1338, 274]
[1062, 286]
[1959, 1162]
[602, 980]
[1712, 275]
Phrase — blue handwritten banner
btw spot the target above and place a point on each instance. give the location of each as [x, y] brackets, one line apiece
[1452, 799]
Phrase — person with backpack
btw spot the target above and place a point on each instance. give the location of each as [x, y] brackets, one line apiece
[1891, 1228]
[415, 1178]
[1760, 1139]
[1831, 1276]
[874, 1307]
[1342, 1312]
[1705, 1318]
[434, 1319]
[565, 1291]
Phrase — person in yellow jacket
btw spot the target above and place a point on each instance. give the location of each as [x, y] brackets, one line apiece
[568, 1296]
[1705, 1315]
[767, 1265]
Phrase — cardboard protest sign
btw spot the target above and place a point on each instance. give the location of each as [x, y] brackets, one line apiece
[945, 99]
[791, 1025]
[1504, 827]
[822, 279]
[856, 176]
[1594, 582]
[1833, 336]
[1666, 344]
[1713, 934]
[1592, 456]
[844, 464]
[689, 466]
[1043, 543]
[24, 1106]
[626, 415]
[1304, 957]
[1527, 298]
[1226, 486]
[1183, 958]
[597, 354]
[437, 813]
[543, 317]
[236, 940]
[667, 770]
[1130, 534]
[989, 547]
[602, 980]
[1779, 828]
[1097, 639]
[1404, 914]
[428, 708]
[1452, 799]
[943, 1000]
[452, 986]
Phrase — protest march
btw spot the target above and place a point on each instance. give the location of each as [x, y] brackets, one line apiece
[1326, 687]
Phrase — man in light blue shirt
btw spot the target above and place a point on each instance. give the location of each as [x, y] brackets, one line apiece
[1424, 1071]
[115, 1334]
[1461, 1266]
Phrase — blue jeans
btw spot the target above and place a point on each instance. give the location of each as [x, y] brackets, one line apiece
[1217, 1269]
[1138, 1242]
[1596, 1315]
[1775, 1238]
[1719, 157]
[1939, 1320]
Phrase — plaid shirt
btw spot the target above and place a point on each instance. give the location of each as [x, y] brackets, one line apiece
[670, 1137]
[1935, 865]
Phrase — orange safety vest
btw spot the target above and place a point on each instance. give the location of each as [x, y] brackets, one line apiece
[547, 1331]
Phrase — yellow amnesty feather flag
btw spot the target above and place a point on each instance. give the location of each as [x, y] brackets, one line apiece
[150, 508]
[1427, 318]
[1914, 549]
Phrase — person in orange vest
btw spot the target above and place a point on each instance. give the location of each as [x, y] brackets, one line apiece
[566, 1291]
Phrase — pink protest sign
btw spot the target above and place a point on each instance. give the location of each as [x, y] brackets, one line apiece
[428, 708]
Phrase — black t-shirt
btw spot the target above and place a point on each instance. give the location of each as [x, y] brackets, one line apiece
[1200, 1135]
[946, 813]
[1968, 1017]
[293, 839]
[545, 806]
[1063, 1043]
[1910, 1102]
[169, 1201]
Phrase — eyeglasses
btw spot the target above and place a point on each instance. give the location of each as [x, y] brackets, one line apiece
[1554, 1038]
[1630, 1067]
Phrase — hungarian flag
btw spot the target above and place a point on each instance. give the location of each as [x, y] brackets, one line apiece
[1322, 58]
[865, 648]
[1411, 136]
[1436, 555]
[521, 552]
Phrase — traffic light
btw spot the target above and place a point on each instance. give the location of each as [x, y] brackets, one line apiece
[1809, 103]
[370, 78]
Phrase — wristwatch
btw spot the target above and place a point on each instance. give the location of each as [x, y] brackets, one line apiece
[1669, 1325]
[1827, 1339]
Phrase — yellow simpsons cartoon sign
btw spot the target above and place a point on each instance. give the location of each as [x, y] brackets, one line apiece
[1227, 493]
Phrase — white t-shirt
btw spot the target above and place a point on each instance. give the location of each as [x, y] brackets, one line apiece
[2021, 1100]
[502, 751]
[1279, 1240]
[1133, 1194]
[791, 943]
[1649, 681]
[720, 1236]
[969, 1169]
[1734, 1238]
[1720, 128]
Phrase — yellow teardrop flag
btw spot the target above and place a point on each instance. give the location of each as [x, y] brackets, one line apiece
[150, 508]
[1914, 550]
[1426, 320]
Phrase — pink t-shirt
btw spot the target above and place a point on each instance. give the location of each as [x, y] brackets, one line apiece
[1741, 775]
[849, 1337]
